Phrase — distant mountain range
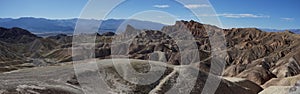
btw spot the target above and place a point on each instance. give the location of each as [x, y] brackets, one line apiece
[43, 25]
[48, 27]
[296, 31]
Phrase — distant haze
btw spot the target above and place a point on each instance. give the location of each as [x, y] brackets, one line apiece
[43, 25]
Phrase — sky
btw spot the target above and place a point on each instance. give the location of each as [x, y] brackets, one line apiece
[273, 14]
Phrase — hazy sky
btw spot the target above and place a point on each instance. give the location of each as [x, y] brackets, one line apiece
[277, 14]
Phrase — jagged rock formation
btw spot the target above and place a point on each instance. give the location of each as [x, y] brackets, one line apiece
[252, 54]
[273, 52]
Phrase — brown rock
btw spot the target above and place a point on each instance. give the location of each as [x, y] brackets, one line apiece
[257, 74]
[245, 83]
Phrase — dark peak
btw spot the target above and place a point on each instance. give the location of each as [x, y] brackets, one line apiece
[246, 29]
[289, 32]
[196, 28]
[181, 21]
[195, 22]
[3, 29]
[16, 31]
[96, 33]
[108, 34]
[59, 36]
[22, 31]
[17, 35]
[187, 22]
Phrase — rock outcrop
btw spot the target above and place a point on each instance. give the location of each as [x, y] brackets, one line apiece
[276, 90]
[246, 84]
[288, 81]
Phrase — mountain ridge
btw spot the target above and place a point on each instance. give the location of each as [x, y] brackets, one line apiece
[297, 31]
[43, 25]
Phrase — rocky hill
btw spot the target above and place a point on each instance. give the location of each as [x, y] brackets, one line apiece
[20, 48]
[253, 54]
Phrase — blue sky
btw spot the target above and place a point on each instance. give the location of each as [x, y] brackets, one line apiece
[276, 14]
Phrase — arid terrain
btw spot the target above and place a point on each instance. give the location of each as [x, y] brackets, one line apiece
[255, 62]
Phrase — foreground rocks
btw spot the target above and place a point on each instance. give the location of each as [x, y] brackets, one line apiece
[288, 81]
[48, 80]
[293, 89]
[276, 90]
[245, 83]
[60, 79]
